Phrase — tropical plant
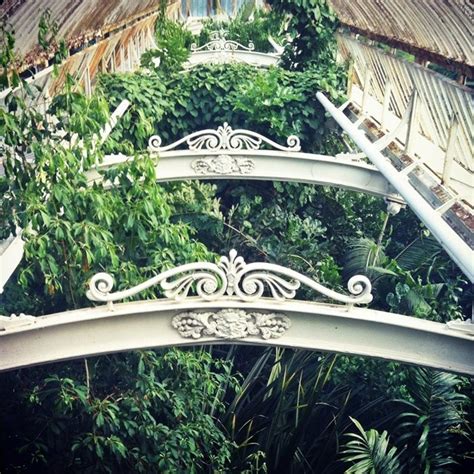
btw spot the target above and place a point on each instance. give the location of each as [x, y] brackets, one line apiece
[276, 103]
[173, 42]
[245, 29]
[432, 420]
[370, 452]
[311, 25]
[289, 413]
[141, 412]
[187, 411]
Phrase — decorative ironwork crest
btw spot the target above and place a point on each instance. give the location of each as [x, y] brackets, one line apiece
[220, 43]
[231, 324]
[232, 276]
[224, 138]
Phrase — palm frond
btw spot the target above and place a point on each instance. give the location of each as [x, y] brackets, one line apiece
[428, 426]
[370, 452]
[366, 257]
[420, 253]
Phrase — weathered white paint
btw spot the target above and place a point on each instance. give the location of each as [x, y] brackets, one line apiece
[220, 50]
[454, 245]
[316, 326]
[236, 154]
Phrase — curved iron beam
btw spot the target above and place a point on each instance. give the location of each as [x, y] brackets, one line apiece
[27, 341]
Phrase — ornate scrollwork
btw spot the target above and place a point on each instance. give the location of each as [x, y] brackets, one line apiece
[231, 324]
[231, 277]
[219, 43]
[224, 138]
[223, 164]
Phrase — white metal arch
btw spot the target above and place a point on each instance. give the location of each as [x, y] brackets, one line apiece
[230, 307]
[237, 154]
[220, 50]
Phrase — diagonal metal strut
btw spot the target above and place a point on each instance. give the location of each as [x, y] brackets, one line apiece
[454, 245]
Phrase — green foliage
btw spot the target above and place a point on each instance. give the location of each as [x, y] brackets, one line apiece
[173, 42]
[276, 103]
[289, 413]
[431, 420]
[149, 103]
[141, 412]
[255, 29]
[180, 411]
[72, 229]
[311, 25]
[370, 452]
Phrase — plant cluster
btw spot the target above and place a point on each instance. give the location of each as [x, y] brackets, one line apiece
[276, 103]
[143, 412]
[173, 43]
[247, 27]
[229, 409]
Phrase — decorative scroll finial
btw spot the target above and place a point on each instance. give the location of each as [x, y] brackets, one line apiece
[231, 277]
[220, 43]
[224, 138]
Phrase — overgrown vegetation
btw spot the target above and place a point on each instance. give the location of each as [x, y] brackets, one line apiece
[229, 409]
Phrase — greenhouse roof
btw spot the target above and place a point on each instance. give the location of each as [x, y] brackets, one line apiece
[436, 30]
[79, 23]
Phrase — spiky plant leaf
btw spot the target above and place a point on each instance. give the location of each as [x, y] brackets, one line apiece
[370, 452]
[419, 253]
[429, 425]
[364, 256]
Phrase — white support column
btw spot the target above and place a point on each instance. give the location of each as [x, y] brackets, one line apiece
[122, 59]
[412, 129]
[456, 247]
[87, 82]
[11, 254]
[365, 94]
[449, 158]
[387, 93]
[131, 55]
[350, 78]
[113, 65]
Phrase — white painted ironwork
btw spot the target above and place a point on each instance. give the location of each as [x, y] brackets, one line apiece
[220, 50]
[223, 164]
[466, 326]
[215, 154]
[230, 277]
[218, 42]
[224, 138]
[231, 324]
[15, 321]
[440, 103]
[456, 247]
[316, 326]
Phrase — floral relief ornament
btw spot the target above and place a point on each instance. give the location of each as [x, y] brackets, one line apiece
[231, 324]
[223, 164]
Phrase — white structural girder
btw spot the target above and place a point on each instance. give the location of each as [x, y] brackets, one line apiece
[253, 58]
[231, 306]
[455, 246]
[236, 154]
[152, 324]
